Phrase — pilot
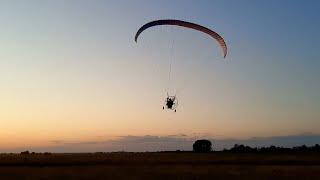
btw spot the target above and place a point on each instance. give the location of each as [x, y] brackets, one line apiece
[169, 103]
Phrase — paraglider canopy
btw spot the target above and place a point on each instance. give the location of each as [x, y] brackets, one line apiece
[186, 24]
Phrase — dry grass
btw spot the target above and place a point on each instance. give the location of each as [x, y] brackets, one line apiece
[160, 166]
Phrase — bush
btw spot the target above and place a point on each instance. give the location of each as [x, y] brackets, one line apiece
[25, 153]
[202, 145]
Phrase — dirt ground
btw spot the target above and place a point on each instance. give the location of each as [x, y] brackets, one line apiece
[182, 165]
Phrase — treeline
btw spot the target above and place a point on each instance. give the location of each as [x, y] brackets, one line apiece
[247, 149]
[33, 153]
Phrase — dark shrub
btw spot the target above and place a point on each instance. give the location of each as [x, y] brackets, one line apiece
[202, 145]
[25, 153]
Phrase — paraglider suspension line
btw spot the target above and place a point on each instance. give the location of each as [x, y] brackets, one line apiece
[171, 60]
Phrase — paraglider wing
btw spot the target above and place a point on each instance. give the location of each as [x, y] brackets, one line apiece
[190, 25]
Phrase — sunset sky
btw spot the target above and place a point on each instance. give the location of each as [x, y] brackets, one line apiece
[71, 73]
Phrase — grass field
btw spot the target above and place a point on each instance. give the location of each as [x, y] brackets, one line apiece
[169, 165]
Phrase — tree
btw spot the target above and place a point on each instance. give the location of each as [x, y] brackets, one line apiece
[25, 153]
[202, 145]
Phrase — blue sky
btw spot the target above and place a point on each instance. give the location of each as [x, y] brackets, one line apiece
[71, 71]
